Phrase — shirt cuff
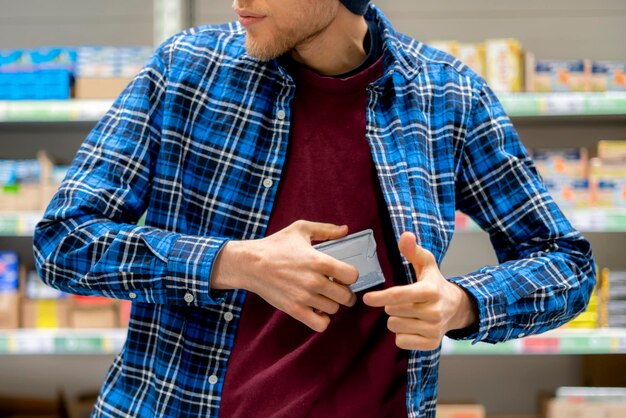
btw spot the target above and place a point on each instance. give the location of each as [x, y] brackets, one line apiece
[188, 272]
[491, 307]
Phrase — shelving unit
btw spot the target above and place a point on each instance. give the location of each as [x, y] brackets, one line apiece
[107, 342]
[517, 105]
[553, 119]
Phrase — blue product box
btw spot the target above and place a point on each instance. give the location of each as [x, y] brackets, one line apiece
[9, 268]
[608, 76]
[562, 76]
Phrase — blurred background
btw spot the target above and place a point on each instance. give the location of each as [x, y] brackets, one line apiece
[559, 68]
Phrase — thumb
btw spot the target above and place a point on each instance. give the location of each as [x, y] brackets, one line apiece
[419, 257]
[322, 231]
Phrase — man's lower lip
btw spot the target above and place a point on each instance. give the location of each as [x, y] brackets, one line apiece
[248, 21]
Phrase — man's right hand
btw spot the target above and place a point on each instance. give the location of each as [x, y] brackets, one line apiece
[288, 273]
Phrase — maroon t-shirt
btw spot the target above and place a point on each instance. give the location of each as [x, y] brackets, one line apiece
[278, 366]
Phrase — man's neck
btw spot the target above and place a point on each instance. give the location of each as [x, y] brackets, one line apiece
[338, 48]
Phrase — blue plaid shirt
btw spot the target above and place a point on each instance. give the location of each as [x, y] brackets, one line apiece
[198, 140]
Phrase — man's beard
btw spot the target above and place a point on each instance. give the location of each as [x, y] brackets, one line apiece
[321, 15]
[281, 44]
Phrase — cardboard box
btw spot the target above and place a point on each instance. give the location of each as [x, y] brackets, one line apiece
[9, 310]
[559, 76]
[472, 55]
[45, 313]
[504, 65]
[100, 88]
[460, 411]
[559, 408]
[608, 76]
[94, 317]
[9, 290]
[125, 308]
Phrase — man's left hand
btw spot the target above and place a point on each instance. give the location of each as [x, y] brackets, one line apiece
[420, 314]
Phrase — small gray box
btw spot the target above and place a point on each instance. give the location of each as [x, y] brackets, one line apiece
[358, 250]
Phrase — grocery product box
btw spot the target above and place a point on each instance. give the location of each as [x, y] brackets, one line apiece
[111, 62]
[9, 293]
[45, 313]
[559, 76]
[460, 411]
[569, 193]
[608, 183]
[36, 74]
[93, 312]
[473, 55]
[504, 65]
[608, 76]
[567, 409]
[43, 306]
[100, 88]
[124, 313]
[612, 150]
[564, 163]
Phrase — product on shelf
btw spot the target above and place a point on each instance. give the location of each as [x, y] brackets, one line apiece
[565, 174]
[93, 312]
[473, 55]
[608, 76]
[36, 74]
[28, 185]
[608, 183]
[9, 293]
[504, 65]
[616, 297]
[588, 402]
[463, 410]
[557, 76]
[43, 306]
[612, 150]
[103, 72]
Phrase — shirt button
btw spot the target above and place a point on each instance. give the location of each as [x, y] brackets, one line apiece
[188, 297]
[132, 295]
[268, 183]
[281, 114]
[213, 379]
[228, 316]
[522, 334]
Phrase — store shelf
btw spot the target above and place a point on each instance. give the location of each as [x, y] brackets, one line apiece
[562, 341]
[53, 110]
[110, 341]
[19, 224]
[22, 224]
[585, 220]
[516, 105]
[43, 342]
[563, 104]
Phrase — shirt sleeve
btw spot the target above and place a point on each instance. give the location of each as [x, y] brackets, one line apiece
[88, 242]
[546, 272]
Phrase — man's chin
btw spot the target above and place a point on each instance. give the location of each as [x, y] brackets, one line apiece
[261, 52]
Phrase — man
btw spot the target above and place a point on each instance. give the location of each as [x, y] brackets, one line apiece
[247, 143]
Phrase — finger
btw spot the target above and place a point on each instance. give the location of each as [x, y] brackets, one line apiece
[341, 272]
[416, 342]
[419, 292]
[419, 257]
[325, 305]
[338, 293]
[318, 231]
[318, 322]
[412, 326]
